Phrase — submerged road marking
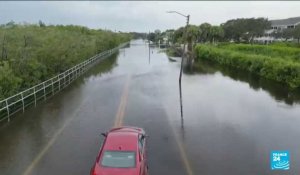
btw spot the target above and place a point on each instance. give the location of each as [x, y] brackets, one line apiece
[37, 159]
[183, 154]
[123, 103]
[118, 123]
[120, 117]
[180, 145]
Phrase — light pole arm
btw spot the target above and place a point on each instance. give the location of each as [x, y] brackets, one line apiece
[178, 13]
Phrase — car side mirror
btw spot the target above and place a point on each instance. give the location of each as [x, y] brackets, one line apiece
[144, 136]
[104, 134]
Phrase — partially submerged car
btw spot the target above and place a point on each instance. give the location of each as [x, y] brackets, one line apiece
[123, 152]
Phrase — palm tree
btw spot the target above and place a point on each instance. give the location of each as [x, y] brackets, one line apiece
[216, 33]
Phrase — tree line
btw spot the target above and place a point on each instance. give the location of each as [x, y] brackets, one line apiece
[241, 30]
[236, 30]
[33, 53]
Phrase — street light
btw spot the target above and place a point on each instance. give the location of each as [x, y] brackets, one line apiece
[178, 13]
[182, 56]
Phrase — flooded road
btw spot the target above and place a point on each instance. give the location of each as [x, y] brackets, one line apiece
[231, 121]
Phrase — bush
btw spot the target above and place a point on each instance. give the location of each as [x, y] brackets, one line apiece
[31, 54]
[279, 51]
[278, 69]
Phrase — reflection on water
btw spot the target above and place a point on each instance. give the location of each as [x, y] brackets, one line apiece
[233, 120]
[105, 66]
[28, 132]
[278, 91]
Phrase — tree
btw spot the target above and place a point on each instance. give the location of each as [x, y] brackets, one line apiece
[296, 32]
[192, 34]
[41, 24]
[9, 81]
[48, 50]
[178, 35]
[245, 28]
[204, 31]
[157, 35]
[283, 33]
[151, 37]
[10, 24]
[216, 33]
[170, 34]
[4, 52]
[256, 27]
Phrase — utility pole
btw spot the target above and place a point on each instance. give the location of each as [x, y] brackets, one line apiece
[149, 47]
[181, 66]
[182, 56]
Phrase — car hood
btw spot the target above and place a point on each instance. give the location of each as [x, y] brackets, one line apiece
[115, 171]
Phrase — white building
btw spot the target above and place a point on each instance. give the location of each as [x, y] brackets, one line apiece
[278, 25]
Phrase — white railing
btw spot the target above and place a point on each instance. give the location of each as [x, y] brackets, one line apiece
[48, 88]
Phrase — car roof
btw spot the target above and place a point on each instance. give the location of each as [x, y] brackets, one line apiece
[127, 129]
[122, 139]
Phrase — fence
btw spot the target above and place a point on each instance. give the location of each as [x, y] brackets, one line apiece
[48, 88]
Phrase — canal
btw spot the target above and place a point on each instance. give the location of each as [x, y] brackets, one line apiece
[231, 120]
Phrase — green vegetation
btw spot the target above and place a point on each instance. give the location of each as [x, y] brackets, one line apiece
[278, 91]
[30, 54]
[281, 51]
[238, 30]
[281, 64]
[245, 29]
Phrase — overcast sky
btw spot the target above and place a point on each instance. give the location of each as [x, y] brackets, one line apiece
[142, 16]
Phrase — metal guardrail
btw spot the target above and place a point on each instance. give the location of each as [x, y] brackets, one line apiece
[48, 88]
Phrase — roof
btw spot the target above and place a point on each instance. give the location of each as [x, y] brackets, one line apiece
[284, 22]
[121, 140]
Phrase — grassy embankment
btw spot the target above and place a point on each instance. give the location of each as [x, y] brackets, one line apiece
[30, 54]
[277, 62]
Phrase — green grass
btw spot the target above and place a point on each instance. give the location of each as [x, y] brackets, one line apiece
[276, 50]
[269, 62]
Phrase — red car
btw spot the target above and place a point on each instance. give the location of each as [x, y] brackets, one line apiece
[123, 152]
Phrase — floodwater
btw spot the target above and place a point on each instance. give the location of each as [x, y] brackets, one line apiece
[231, 120]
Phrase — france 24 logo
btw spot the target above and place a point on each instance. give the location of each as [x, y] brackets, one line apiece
[280, 160]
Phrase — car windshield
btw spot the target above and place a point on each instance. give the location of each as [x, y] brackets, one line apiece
[118, 159]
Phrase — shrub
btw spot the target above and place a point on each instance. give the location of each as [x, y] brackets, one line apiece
[33, 54]
[279, 51]
[278, 69]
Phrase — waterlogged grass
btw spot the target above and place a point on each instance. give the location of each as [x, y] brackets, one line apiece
[269, 62]
[276, 50]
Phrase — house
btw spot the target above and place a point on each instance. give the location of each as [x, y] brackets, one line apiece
[277, 25]
[280, 24]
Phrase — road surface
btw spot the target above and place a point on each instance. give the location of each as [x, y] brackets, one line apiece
[229, 127]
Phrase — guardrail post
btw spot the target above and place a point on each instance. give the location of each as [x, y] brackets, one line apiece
[58, 83]
[64, 79]
[23, 102]
[76, 72]
[70, 77]
[7, 108]
[34, 96]
[44, 91]
[52, 86]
